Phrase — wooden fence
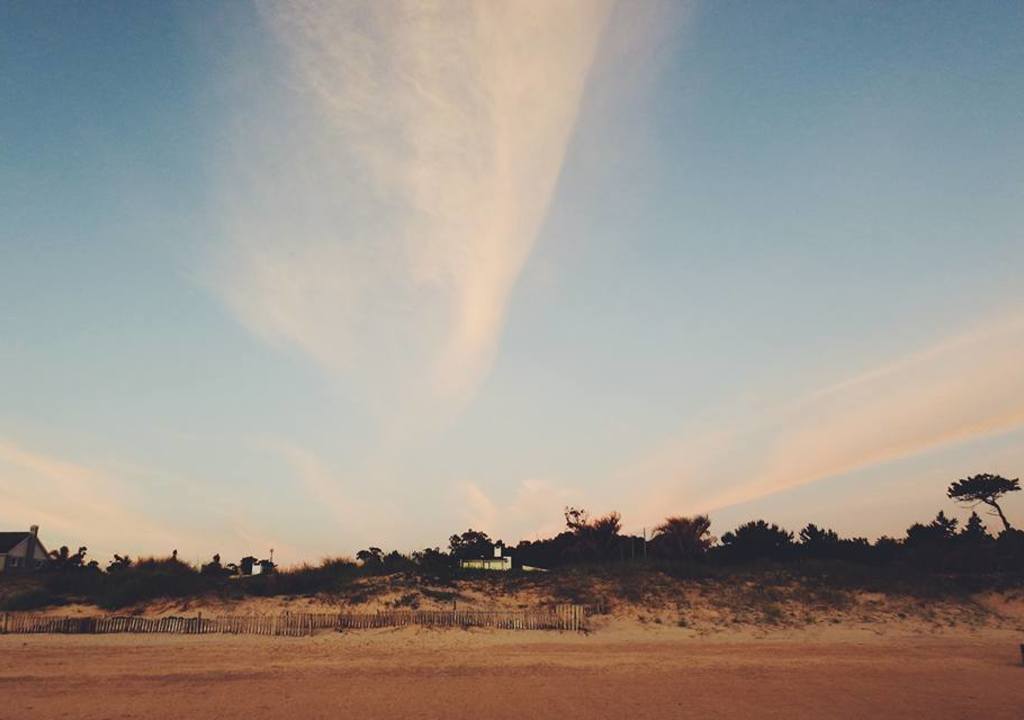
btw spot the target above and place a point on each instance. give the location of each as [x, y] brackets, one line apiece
[559, 617]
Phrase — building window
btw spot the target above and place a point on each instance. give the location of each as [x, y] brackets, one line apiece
[14, 562]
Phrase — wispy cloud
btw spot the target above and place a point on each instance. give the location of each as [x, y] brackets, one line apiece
[357, 518]
[117, 508]
[531, 508]
[964, 387]
[385, 198]
[72, 502]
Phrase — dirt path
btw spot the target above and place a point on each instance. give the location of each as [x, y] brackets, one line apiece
[454, 674]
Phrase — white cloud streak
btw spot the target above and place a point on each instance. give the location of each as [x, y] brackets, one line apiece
[967, 386]
[381, 206]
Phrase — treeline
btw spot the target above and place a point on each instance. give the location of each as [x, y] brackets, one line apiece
[939, 546]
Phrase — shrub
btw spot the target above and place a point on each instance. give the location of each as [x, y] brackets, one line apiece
[332, 575]
[127, 588]
[756, 540]
[30, 599]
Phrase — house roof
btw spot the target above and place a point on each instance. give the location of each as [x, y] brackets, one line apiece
[9, 540]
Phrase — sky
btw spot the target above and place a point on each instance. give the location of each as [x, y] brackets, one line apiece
[321, 276]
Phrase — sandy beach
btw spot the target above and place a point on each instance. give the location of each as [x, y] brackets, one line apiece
[417, 673]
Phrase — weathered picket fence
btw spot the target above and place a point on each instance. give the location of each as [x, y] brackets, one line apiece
[558, 617]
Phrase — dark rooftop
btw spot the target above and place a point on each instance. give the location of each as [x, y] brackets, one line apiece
[9, 539]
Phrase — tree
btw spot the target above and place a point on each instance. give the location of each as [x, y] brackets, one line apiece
[814, 536]
[576, 519]
[984, 488]
[120, 562]
[945, 527]
[395, 561]
[757, 539]
[974, 531]
[605, 530]
[64, 559]
[593, 539]
[885, 549]
[372, 559]
[471, 544]
[246, 564]
[432, 562]
[684, 538]
[934, 534]
[818, 542]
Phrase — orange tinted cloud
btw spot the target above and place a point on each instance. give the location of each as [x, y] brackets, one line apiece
[965, 387]
[70, 501]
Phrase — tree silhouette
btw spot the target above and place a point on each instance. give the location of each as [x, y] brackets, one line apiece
[684, 538]
[120, 562]
[934, 534]
[64, 559]
[974, 531]
[818, 542]
[433, 562]
[593, 539]
[576, 519]
[471, 544]
[944, 526]
[606, 529]
[984, 488]
[757, 539]
[813, 535]
[372, 558]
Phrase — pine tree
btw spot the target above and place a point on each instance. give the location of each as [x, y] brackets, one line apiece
[974, 530]
[945, 526]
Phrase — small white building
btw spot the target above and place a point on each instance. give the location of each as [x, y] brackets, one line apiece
[498, 562]
[22, 551]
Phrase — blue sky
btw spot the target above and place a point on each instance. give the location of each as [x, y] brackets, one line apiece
[337, 275]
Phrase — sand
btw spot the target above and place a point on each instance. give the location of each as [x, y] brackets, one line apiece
[622, 671]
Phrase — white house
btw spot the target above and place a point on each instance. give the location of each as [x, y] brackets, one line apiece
[498, 562]
[22, 551]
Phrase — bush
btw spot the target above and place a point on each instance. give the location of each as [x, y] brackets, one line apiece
[30, 599]
[332, 575]
[125, 589]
